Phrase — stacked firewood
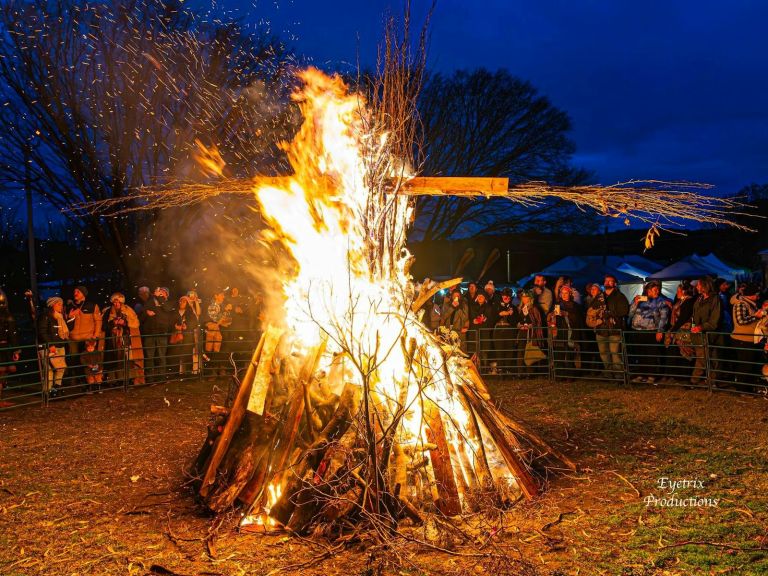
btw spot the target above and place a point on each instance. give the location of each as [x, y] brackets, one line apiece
[306, 447]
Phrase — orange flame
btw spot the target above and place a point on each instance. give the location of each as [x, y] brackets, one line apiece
[336, 291]
[209, 159]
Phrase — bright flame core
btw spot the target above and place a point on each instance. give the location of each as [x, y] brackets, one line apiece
[344, 285]
[320, 218]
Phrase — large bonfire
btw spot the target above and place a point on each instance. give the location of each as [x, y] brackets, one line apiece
[351, 411]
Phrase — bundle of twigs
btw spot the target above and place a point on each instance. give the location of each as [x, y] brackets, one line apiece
[649, 201]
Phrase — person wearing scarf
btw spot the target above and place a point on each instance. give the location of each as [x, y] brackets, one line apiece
[529, 329]
[678, 337]
[53, 333]
[566, 325]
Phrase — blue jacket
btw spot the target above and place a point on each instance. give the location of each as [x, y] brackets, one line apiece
[653, 314]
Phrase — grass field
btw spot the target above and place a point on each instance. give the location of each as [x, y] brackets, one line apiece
[96, 485]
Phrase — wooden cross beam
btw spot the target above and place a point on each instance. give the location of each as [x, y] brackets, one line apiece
[455, 186]
[426, 185]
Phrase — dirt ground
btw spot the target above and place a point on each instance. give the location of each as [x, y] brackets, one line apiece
[96, 485]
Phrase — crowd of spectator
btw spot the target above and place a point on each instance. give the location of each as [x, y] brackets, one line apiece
[597, 333]
[148, 341]
[586, 332]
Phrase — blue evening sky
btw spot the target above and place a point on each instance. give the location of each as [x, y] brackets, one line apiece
[673, 90]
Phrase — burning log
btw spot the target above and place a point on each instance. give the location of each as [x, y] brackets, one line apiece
[446, 493]
[235, 418]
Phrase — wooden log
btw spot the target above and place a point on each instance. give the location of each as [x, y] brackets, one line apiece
[263, 377]
[455, 186]
[284, 438]
[400, 464]
[537, 441]
[448, 502]
[481, 468]
[197, 470]
[503, 439]
[469, 255]
[424, 297]
[247, 452]
[479, 385]
[330, 478]
[349, 403]
[235, 418]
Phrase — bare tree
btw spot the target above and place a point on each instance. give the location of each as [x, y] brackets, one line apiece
[105, 98]
[483, 123]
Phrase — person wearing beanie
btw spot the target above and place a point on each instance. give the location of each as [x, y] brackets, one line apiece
[489, 290]
[218, 317]
[747, 314]
[53, 333]
[120, 326]
[83, 320]
[156, 326]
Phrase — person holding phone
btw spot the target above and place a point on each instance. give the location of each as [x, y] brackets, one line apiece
[566, 328]
[649, 314]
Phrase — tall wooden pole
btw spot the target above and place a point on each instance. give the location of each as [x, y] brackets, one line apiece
[30, 223]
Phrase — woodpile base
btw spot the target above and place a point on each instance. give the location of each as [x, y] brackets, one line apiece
[305, 447]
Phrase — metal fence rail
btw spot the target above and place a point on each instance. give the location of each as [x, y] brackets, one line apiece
[713, 361]
[43, 374]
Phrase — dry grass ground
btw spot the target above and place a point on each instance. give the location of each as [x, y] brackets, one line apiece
[96, 485]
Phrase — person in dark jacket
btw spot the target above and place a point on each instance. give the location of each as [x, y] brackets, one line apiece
[185, 324]
[454, 321]
[92, 360]
[705, 323]
[678, 338]
[480, 327]
[469, 300]
[156, 325]
[142, 297]
[613, 307]
[504, 333]
[9, 353]
[566, 324]
[529, 330]
[53, 334]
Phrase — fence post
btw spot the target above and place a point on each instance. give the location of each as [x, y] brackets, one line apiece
[200, 352]
[707, 371]
[624, 356]
[550, 357]
[43, 352]
[126, 365]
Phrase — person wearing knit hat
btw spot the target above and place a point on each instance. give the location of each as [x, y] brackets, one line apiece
[156, 324]
[491, 298]
[747, 315]
[53, 333]
[84, 320]
[120, 326]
